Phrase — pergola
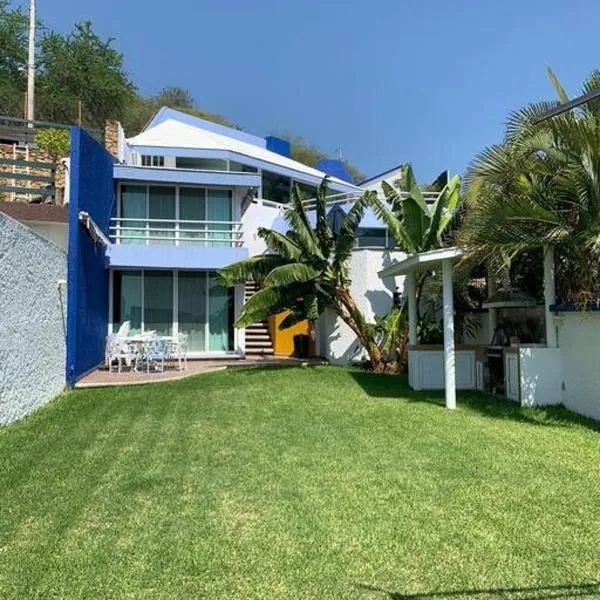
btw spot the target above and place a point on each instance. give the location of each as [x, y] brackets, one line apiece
[446, 257]
[428, 261]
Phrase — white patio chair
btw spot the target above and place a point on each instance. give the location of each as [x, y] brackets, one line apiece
[118, 350]
[155, 352]
[178, 349]
[124, 330]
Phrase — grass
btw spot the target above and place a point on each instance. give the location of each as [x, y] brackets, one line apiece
[297, 483]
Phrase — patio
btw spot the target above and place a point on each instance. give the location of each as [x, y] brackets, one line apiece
[101, 377]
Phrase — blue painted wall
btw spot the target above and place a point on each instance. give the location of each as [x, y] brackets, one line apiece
[92, 190]
[335, 168]
[275, 144]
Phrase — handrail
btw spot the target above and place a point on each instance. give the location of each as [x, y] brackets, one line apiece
[142, 220]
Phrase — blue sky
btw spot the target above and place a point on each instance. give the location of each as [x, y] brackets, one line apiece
[430, 82]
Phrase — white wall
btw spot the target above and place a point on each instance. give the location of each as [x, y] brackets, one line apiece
[540, 376]
[32, 320]
[55, 232]
[372, 295]
[255, 216]
[579, 344]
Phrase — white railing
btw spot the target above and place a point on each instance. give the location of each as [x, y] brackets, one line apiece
[177, 232]
[348, 197]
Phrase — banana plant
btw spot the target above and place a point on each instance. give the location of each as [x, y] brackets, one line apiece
[306, 271]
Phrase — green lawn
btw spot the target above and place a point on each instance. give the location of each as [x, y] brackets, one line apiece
[297, 483]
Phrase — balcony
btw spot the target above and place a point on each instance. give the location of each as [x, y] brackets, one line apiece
[177, 232]
[175, 244]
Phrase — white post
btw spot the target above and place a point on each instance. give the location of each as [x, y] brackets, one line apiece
[449, 358]
[549, 296]
[411, 290]
[492, 312]
[31, 65]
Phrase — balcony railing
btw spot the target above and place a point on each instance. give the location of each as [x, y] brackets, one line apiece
[177, 232]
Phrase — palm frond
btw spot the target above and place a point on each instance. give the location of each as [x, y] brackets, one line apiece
[291, 274]
[279, 243]
[251, 269]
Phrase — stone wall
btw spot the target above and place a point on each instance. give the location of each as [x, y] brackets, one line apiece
[36, 155]
[32, 320]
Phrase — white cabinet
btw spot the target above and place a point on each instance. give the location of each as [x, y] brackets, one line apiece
[511, 375]
[426, 369]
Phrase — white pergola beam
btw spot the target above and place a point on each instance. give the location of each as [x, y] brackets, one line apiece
[449, 352]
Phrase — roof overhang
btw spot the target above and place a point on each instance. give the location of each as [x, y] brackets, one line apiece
[186, 176]
[421, 261]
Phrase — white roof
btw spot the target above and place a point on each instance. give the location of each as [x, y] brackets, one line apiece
[423, 260]
[174, 132]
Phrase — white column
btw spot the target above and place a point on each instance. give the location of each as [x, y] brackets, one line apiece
[449, 358]
[549, 296]
[411, 290]
[492, 312]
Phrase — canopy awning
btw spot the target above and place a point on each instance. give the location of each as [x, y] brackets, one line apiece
[421, 261]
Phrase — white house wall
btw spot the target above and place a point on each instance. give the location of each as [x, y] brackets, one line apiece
[255, 216]
[32, 325]
[578, 338]
[373, 296]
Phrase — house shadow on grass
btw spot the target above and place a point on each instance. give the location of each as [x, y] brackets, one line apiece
[493, 407]
[509, 593]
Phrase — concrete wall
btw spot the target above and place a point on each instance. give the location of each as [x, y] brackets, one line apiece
[337, 341]
[92, 190]
[579, 340]
[32, 320]
[57, 233]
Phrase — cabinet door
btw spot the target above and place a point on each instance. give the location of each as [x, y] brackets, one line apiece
[511, 376]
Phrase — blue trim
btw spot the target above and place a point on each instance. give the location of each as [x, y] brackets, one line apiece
[568, 307]
[166, 113]
[182, 176]
[125, 256]
[335, 168]
[381, 175]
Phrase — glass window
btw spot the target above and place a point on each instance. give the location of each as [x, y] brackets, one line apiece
[371, 237]
[218, 208]
[241, 168]
[192, 308]
[220, 312]
[127, 299]
[133, 213]
[161, 205]
[203, 164]
[192, 207]
[275, 187]
[153, 161]
[308, 192]
[158, 302]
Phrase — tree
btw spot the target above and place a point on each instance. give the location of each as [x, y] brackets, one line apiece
[307, 271]
[81, 67]
[56, 142]
[539, 187]
[13, 59]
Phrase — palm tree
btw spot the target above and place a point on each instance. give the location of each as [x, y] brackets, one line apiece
[306, 271]
[541, 187]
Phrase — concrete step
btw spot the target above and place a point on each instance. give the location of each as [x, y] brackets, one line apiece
[256, 351]
[257, 337]
[250, 345]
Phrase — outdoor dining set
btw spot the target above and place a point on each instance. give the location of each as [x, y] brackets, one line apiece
[144, 351]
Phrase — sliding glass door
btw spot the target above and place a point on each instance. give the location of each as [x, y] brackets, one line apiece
[172, 302]
[192, 308]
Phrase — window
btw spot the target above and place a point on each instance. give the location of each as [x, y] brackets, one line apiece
[152, 161]
[201, 164]
[368, 237]
[200, 307]
[240, 168]
[149, 215]
[308, 192]
[275, 187]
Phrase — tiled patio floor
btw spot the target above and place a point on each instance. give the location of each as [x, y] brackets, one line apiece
[102, 378]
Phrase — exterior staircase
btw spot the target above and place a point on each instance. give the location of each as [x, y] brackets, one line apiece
[258, 339]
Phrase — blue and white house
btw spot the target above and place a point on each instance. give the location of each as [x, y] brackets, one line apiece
[183, 199]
